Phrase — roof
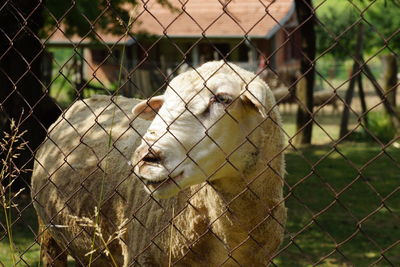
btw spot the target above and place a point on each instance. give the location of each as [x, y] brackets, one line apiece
[211, 18]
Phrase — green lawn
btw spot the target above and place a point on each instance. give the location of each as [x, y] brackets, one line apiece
[325, 130]
[25, 224]
[345, 225]
[334, 200]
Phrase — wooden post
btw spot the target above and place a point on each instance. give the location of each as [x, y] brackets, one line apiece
[390, 77]
[363, 103]
[195, 56]
[353, 77]
[305, 87]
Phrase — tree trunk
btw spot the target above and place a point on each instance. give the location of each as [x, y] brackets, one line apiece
[363, 103]
[305, 86]
[347, 101]
[390, 78]
[394, 116]
[353, 77]
[22, 89]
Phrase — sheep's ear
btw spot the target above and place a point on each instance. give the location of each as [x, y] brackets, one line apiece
[147, 109]
[255, 94]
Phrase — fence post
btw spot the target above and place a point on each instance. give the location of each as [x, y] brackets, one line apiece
[305, 87]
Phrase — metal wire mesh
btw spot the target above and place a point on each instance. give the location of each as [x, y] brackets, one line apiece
[96, 207]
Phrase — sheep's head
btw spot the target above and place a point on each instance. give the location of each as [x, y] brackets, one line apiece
[205, 127]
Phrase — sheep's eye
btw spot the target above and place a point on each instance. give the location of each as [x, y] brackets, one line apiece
[222, 99]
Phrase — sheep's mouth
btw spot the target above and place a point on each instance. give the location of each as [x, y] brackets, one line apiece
[153, 185]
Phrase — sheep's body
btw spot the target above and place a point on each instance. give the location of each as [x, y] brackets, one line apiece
[214, 223]
[70, 159]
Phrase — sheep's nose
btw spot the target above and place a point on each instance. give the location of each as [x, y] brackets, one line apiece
[152, 156]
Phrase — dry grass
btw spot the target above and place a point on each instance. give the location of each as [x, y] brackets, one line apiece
[94, 224]
[10, 146]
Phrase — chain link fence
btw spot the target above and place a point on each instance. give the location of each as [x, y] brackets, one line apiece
[211, 167]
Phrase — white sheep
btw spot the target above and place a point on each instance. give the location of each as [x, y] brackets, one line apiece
[209, 163]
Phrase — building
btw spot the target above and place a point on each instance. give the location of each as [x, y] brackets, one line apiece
[254, 34]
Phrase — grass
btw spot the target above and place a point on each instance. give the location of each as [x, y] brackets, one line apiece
[322, 212]
[325, 130]
[25, 225]
[326, 215]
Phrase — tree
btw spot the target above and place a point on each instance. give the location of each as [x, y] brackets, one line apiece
[354, 76]
[379, 26]
[390, 69]
[22, 92]
[334, 36]
[305, 86]
[385, 21]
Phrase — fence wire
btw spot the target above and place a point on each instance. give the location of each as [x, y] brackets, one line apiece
[206, 175]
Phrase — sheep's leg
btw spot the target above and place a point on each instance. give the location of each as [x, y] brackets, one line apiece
[50, 253]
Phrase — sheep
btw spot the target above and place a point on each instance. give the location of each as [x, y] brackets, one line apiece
[192, 178]
[284, 96]
[325, 98]
[321, 98]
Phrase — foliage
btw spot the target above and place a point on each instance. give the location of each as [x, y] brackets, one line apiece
[85, 17]
[336, 36]
[384, 20]
[379, 126]
[336, 26]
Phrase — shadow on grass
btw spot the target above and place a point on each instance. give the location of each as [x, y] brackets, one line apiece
[343, 207]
